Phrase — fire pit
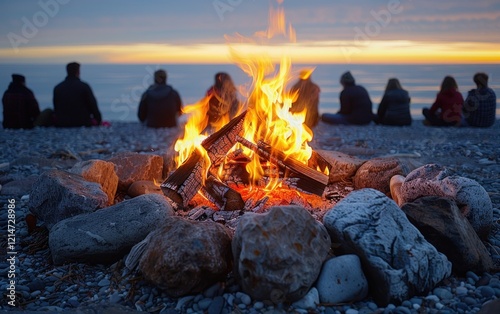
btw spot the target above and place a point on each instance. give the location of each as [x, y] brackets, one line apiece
[258, 159]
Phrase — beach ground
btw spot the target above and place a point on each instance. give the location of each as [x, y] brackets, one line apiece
[469, 152]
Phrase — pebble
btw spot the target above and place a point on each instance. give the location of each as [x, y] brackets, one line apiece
[461, 291]
[52, 288]
[103, 283]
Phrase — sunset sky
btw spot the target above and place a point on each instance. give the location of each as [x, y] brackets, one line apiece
[194, 31]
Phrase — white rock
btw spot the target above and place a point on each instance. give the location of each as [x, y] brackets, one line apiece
[342, 280]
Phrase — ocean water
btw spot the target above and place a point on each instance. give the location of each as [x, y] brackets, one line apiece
[118, 87]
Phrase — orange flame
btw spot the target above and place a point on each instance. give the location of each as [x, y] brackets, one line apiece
[268, 117]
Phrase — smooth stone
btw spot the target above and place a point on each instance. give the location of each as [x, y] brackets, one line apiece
[216, 306]
[443, 294]
[309, 301]
[486, 291]
[342, 280]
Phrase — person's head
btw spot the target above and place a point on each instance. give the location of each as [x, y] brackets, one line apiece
[393, 83]
[481, 80]
[161, 77]
[449, 83]
[73, 69]
[347, 79]
[223, 80]
[18, 79]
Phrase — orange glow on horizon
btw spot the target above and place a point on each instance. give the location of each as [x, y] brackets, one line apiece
[376, 52]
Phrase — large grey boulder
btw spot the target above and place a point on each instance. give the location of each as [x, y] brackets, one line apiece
[184, 256]
[472, 199]
[398, 262]
[278, 255]
[442, 224]
[108, 234]
[58, 194]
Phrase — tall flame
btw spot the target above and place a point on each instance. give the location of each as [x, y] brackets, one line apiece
[268, 117]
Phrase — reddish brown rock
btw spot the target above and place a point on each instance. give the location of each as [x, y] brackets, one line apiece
[185, 257]
[169, 161]
[376, 173]
[442, 224]
[131, 167]
[99, 171]
[344, 166]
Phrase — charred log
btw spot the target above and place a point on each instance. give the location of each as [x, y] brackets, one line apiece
[300, 176]
[219, 143]
[224, 197]
[186, 180]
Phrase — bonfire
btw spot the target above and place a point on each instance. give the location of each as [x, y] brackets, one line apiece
[262, 156]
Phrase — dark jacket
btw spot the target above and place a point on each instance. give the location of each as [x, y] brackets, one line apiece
[75, 104]
[160, 106]
[355, 103]
[20, 108]
[480, 107]
[394, 108]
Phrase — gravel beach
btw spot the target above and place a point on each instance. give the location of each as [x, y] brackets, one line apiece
[79, 288]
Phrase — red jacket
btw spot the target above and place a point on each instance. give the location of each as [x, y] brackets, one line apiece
[449, 104]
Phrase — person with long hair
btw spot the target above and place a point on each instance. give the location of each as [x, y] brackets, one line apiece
[223, 102]
[394, 108]
[307, 98]
[447, 108]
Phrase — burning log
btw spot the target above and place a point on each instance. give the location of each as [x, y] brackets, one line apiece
[308, 179]
[187, 180]
[219, 143]
[222, 195]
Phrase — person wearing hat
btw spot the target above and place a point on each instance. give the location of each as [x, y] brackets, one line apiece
[307, 98]
[160, 104]
[74, 102]
[20, 107]
[355, 104]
